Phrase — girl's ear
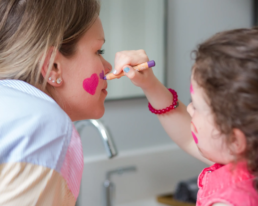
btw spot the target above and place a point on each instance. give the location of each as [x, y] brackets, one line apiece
[239, 143]
[54, 75]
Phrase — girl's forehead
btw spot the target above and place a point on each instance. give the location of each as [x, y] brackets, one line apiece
[198, 95]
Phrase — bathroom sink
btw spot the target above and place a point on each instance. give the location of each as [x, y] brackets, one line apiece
[158, 170]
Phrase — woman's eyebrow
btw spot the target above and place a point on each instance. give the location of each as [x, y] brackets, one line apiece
[102, 39]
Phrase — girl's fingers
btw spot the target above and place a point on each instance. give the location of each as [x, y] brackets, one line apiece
[130, 72]
[135, 76]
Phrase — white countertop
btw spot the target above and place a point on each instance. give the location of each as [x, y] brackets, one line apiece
[144, 202]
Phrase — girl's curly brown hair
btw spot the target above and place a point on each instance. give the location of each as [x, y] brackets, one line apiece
[227, 69]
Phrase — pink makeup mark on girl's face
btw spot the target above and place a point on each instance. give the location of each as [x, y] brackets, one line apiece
[90, 84]
[101, 75]
[191, 89]
[195, 138]
[195, 129]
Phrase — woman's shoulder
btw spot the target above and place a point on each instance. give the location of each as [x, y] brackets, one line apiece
[33, 128]
[19, 100]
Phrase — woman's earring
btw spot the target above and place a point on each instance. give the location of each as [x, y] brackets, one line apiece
[52, 80]
[59, 80]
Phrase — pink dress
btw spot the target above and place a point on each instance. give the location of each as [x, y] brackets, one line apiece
[230, 184]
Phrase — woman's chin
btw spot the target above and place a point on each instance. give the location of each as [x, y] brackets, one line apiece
[97, 114]
[94, 114]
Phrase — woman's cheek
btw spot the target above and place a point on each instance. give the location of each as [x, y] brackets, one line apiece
[90, 84]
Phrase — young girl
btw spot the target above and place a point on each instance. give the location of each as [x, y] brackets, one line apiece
[220, 125]
[51, 73]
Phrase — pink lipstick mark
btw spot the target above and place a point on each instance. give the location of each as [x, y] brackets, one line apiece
[101, 75]
[191, 89]
[195, 138]
[195, 129]
[90, 84]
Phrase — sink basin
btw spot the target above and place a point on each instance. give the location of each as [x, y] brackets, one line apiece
[158, 170]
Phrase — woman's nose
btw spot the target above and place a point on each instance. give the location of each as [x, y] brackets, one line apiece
[107, 66]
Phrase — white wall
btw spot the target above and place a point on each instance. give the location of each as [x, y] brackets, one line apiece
[193, 21]
[189, 23]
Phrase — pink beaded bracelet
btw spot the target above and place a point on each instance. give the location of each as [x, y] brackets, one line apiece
[174, 104]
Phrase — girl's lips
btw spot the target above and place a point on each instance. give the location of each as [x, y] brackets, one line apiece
[194, 127]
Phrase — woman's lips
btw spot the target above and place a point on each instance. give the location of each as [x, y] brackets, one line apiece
[104, 90]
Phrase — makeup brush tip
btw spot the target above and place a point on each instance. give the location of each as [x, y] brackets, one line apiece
[105, 78]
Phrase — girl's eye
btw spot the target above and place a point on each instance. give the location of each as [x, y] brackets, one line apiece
[192, 104]
[101, 51]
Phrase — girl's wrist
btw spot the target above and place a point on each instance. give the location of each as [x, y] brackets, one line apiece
[173, 105]
[152, 85]
[158, 95]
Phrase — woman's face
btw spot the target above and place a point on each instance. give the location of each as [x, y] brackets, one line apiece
[83, 89]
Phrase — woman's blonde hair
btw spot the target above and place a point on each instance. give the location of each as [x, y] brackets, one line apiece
[29, 28]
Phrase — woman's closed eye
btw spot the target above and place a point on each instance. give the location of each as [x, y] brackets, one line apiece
[101, 51]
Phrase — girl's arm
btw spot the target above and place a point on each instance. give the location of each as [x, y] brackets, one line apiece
[176, 122]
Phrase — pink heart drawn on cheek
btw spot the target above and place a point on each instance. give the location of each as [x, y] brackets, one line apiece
[90, 84]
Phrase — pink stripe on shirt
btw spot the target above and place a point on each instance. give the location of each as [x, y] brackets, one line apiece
[73, 164]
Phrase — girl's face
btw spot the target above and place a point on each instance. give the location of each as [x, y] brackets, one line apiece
[205, 134]
[83, 89]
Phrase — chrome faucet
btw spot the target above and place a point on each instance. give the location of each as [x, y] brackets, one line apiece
[109, 186]
[105, 135]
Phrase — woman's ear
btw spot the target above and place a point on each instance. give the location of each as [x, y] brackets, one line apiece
[54, 71]
[239, 143]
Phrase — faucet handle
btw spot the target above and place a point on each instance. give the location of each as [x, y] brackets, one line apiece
[109, 192]
[109, 187]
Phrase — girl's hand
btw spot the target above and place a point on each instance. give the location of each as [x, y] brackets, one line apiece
[125, 60]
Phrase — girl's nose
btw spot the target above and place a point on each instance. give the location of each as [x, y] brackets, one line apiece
[190, 109]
